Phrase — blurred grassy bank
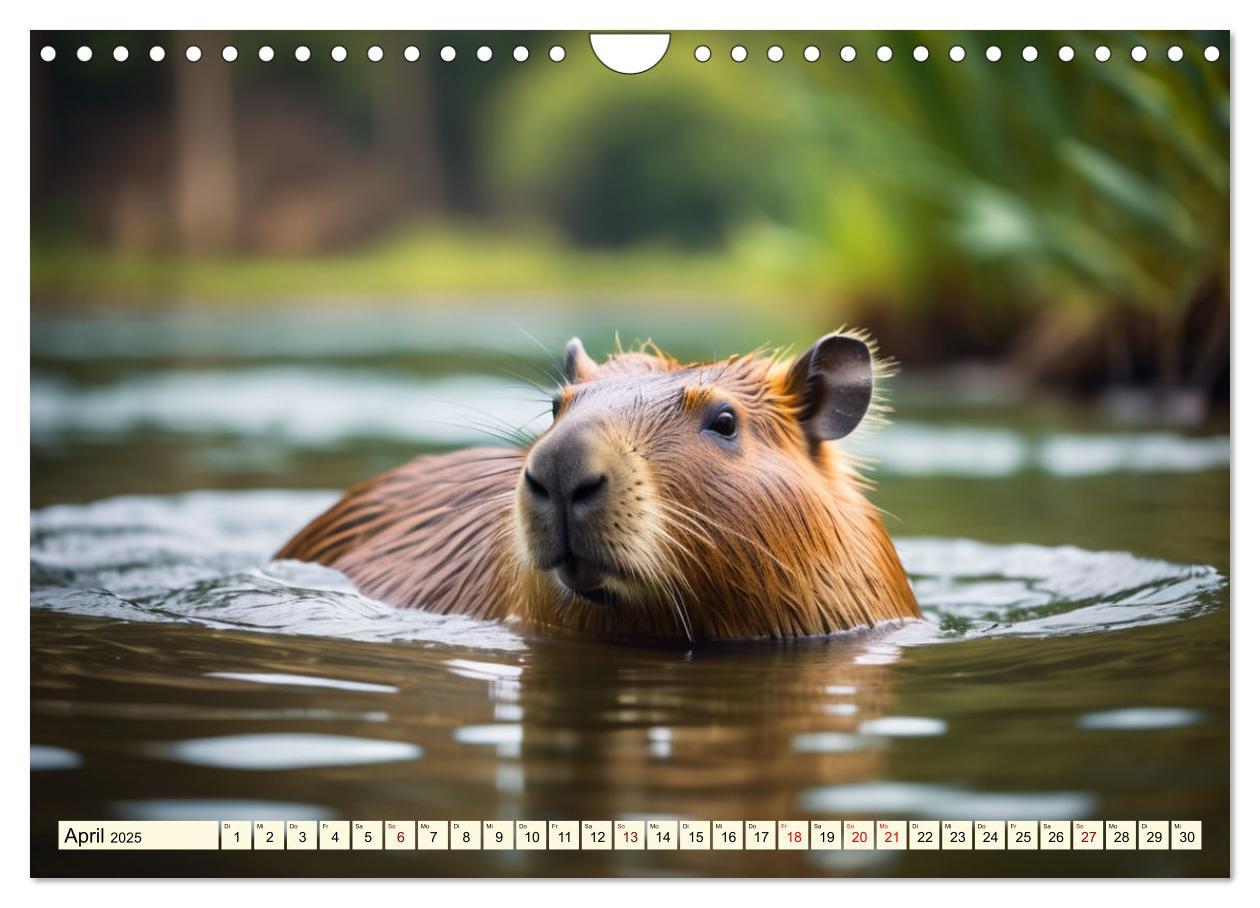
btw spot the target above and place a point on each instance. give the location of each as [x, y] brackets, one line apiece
[415, 263]
[1056, 202]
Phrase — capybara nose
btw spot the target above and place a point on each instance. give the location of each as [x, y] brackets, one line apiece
[536, 487]
[587, 492]
[562, 482]
[569, 495]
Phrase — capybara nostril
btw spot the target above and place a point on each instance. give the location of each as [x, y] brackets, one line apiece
[535, 487]
[668, 499]
[560, 474]
[588, 491]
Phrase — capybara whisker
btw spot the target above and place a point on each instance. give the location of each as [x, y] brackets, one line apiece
[671, 500]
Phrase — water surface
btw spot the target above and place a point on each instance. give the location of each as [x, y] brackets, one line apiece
[1073, 663]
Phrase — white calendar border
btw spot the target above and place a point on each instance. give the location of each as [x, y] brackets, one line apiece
[648, 15]
[639, 14]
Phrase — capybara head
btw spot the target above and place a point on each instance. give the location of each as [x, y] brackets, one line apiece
[704, 500]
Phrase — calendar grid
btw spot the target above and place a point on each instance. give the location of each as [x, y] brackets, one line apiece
[632, 835]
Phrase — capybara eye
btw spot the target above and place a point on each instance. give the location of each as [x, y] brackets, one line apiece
[555, 406]
[723, 423]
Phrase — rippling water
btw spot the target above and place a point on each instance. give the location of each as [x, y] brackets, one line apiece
[204, 558]
[319, 408]
[1073, 660]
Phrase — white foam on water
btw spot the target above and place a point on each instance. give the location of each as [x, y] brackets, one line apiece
[918, 449]
[297, 406]
[204, 558]
[313, 408]
[977, 589]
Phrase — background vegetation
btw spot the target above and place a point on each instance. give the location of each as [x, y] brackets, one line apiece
[1068, 221]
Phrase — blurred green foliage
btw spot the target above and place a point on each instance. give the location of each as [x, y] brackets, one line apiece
[1081, 182]
[1066, 197]
[678, 155]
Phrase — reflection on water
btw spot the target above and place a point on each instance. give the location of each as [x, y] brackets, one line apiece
[1142, 717]
[212, 809]
[918, 800]
[240, 688]
[903, 726]
[1073, 660]
[45, 758]
[284, 751]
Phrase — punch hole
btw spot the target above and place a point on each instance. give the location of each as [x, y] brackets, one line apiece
[1211, 53]
[193, 53]
[812, 54]
[120, 54]
[739, 53]
[302, 54]
[1175, 54]
[630, 53]
[993, 54]
[338, 54]
[556, 53]
[1066, 54]
[266, 53]
[375, 54]
[1138, 54]
[920, 53]
[1102, 53]
[848, 53]
[484, 54]
[520, 54]
[411, 53]
[84, 54]
[958, 53]
[884, 54]
[774, 54]
[447, 53]
[1030, 53]
[157, 54]
[703, 54]
[47, 53]
[229, 54]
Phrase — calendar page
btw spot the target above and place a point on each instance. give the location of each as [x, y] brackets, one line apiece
[775, 453]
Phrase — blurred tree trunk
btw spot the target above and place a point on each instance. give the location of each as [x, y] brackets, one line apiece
[207, 208]
[406, 130]
[39, 122]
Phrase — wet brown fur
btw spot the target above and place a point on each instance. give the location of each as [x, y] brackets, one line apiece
[775, 539]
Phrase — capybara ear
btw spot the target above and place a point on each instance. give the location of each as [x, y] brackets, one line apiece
[578, 366]
[833, 380]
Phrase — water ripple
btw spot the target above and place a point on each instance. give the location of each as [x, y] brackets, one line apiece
[203, 558]
[305, 681]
